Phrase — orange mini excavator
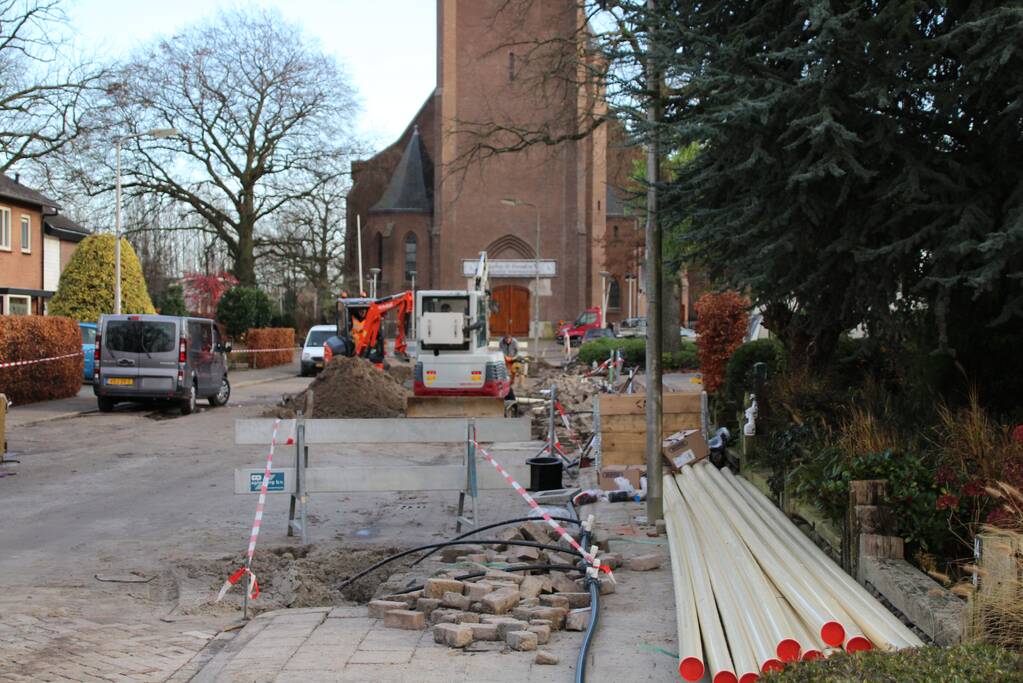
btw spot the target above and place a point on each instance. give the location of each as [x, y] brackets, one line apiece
[359, 323]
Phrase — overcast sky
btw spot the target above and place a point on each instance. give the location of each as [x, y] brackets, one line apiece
[387, 46]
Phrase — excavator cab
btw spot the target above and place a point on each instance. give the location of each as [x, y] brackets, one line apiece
[359, 327]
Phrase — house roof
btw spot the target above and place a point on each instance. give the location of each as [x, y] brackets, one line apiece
[65, 228]
[411, 186]
[12, 189]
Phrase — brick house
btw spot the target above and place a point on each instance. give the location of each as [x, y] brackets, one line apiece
[36, 244]
[421, 213]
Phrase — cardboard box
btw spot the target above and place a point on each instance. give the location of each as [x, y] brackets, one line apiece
[686, 447]
[606, 476]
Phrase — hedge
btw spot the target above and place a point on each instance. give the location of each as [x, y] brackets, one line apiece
[960, 663]
[634, 353]
[29, 337]
[86, 288]
[722, 322]
[270, 338]
[739, 371]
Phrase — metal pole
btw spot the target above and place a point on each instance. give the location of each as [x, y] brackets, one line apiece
[358, 237]
[550, 435]
[117, 227]
[536, 294]
[654, 409]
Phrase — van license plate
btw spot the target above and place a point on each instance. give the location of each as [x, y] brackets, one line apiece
[121, 380]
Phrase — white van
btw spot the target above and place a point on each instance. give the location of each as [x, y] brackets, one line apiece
[312, 350]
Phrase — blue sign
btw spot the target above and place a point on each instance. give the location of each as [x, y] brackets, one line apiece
[276, 482]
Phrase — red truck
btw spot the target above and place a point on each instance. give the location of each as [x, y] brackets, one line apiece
[588, 320]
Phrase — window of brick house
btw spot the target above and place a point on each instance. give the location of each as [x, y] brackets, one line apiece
[5, 229]
[26, 234]
[411, 247]
[614, 294]
[18, 305]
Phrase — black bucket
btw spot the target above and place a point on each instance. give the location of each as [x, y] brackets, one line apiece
[544, 474]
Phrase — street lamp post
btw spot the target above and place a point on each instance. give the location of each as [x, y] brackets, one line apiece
[375, 273]
[604, 275]
[155, 133]
[536, 267]
[412, 277]
[630, 278]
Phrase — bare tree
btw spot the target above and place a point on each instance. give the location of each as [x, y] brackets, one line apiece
[311, 235]
[44, 93]
[257, 104]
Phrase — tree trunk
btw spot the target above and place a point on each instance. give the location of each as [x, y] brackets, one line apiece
[244, 258]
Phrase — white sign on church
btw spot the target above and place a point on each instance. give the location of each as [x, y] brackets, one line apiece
[500, 267]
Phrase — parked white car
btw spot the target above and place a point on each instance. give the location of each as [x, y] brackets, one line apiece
[312, 350]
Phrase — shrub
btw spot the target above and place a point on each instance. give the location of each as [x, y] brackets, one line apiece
[634, 353]
[959, 663]
[739, 371]
[270, 338]
[31, 337]
[171, 301]
[722, 322]
[243, 308]
[86, 287]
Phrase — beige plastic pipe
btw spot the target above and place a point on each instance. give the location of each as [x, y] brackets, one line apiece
[812, 647]
[785, 572]
[740, 631]
[715, 648]
[894, 635]
[769, 630]
[690, 650]
[853, 637]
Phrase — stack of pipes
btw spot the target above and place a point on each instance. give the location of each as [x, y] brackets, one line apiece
[753, 593]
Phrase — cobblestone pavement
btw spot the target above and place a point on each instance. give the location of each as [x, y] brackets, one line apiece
[76, 649]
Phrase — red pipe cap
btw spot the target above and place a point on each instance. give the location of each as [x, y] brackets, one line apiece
[788, 650]
[724, 677]
[858, 644]
[811, 655]
[691, 669]
[749, 678]
[772, 665]
[833, 633]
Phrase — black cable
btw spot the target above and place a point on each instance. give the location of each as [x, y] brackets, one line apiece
[580, 664]
[496, 524]
[392, 558]
[515, 568]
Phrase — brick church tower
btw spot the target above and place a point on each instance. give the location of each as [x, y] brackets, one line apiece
[430, 202]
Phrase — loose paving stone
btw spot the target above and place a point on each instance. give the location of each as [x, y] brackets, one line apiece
[555, 600]
[378, 608]
[485, 632]
[456, 601]
[523, 641]
[506, 627]
[576, 600]
[540, 622]
[476, 591]
[498, 575]
[500, 601]
[436, 588]
[409, 620]
[578, 619]
[427, 605]
[452, 635]
[644, 563]
[531, 586]
[545, 657]
[543, 633]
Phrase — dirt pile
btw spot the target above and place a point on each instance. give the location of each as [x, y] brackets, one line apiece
[297, 576]
[401, 374]
[348, 387]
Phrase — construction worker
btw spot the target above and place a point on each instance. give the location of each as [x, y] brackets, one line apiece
[509, 347]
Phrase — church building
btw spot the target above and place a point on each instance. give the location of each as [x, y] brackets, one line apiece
[459, 181]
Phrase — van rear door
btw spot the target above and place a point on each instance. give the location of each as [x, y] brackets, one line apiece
[119, 356]
[158, 356]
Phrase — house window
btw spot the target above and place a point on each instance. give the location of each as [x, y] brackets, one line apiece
[614, 294]
[18, 305]
[26, 235]
[5, 229]
[511, 66]
[410, 256]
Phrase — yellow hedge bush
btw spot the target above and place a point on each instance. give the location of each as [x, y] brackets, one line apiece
[86, 287]
[270, 338]
[31, 337]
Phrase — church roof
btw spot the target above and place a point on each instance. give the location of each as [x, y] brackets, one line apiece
[411, 186]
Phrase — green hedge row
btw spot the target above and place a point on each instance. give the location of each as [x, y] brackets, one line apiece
[634, 353]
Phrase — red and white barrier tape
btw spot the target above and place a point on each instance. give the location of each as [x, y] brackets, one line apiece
[568, 427]
[16, 363]
[590, 559]
[289, 348]
[253, 591]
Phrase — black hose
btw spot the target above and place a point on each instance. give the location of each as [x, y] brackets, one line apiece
[494, 525]
[580, 664]
[514, 568]
[528, 544]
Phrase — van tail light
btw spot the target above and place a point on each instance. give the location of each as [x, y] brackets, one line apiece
[181, 350]
[95, 350]
[327, 354]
